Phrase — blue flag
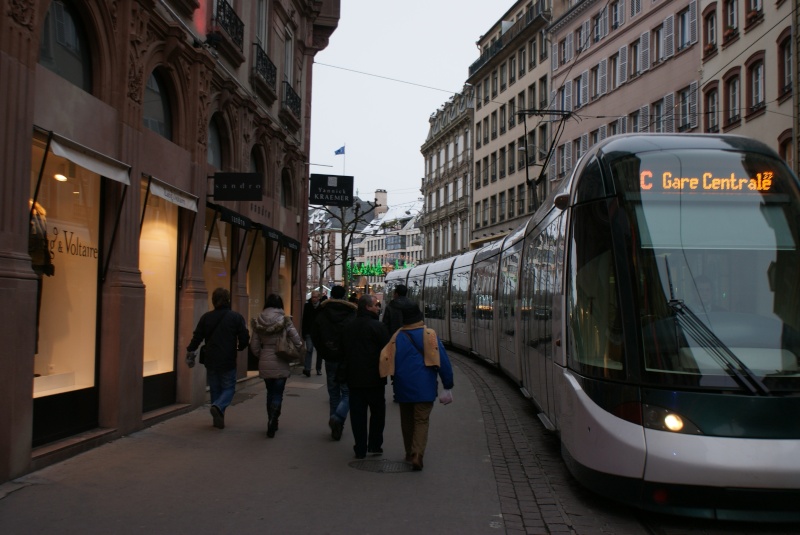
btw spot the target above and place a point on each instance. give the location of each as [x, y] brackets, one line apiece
[339, 151]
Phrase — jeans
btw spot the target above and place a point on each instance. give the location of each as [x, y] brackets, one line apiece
[222, 386]
[275, 389]
[367, 437]
[338, 393]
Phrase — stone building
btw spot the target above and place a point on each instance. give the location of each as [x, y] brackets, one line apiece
[152, 150]
[444, 223]
[511, 82]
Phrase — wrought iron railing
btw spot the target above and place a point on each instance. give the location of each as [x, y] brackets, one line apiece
[291, 100]
[265, 69]
[229, 21]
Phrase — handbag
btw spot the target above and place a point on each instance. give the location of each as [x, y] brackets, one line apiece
[285, 348]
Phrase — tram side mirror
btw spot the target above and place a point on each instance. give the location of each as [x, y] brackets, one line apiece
[561, 201]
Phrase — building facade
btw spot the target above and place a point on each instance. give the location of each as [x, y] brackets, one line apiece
[153, 150]
[746, 83]
[445, 222]
[511, 82]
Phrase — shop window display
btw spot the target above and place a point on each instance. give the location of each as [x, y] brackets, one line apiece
[64, 247]
[158, 260]
[217, 264]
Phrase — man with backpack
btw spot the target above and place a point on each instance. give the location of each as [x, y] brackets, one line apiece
[328, 339]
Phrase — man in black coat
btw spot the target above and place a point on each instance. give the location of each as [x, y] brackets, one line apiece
[364, 338]
[328, 337]
[225, 332]
[310, 311]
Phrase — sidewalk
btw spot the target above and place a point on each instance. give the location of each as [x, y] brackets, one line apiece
[185, 476]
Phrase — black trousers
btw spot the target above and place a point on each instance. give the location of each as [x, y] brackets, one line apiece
[367, 418]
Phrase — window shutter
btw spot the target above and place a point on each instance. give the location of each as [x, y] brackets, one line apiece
[669, 36]
[603, 134]
[669, 112]
[693, 104]
[693, 21]
[644, 51]
[622, 66]
[644, 119]
[585, 87]
[602, 69]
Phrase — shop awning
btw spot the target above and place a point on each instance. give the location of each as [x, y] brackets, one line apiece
[93, 161]
[271, 234]
[229, 216]
[159, 188]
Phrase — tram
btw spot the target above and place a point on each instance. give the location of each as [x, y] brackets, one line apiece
[650, 309]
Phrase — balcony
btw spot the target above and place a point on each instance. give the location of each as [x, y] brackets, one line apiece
[265, 75]
[539, 9]
[290, 107]
[229, 42]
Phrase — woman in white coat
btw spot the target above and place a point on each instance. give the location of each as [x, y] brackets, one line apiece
[267, 328]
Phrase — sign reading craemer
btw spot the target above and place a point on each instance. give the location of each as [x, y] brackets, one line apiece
[331, 190]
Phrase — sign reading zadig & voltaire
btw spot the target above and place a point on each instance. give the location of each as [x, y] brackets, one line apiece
[331, 190]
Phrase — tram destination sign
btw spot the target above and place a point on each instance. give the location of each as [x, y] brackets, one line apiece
[331, 190]
[706, 182]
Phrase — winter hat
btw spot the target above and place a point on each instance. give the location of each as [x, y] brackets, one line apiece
[411, 313]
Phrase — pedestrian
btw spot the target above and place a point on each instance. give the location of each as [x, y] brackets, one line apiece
[267, 328]
[365, 337]
[393, 317]
[415, 357]
[224, 332]
[310, 310]
[328, 337]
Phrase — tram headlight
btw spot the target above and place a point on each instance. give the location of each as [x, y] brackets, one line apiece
[666, 420]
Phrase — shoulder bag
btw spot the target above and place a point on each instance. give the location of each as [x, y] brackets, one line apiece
[284, 347]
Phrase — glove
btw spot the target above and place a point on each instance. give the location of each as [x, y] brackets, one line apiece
[190, 359]
[446, 397]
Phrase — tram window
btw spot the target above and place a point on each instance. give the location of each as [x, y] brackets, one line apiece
[590, 183]
[595, 321]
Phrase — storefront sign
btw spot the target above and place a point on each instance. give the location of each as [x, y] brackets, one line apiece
[331, 190]
[237, 187]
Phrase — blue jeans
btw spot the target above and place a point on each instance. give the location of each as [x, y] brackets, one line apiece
[275, 389]
[338, 394]
[222, 386]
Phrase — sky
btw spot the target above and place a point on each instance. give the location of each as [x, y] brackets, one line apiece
[387, 68]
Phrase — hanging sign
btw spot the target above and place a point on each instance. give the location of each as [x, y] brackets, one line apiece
[237, 187]
[331, 190]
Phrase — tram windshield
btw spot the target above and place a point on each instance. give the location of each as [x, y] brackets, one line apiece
[716, 256]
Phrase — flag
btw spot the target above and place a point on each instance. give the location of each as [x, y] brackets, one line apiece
[339, 151]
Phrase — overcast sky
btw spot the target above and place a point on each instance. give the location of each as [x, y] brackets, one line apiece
[387, 68]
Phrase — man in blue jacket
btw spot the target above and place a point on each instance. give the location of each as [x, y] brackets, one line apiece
[419, 360]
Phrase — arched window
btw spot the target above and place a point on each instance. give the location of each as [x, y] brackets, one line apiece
[157, 115]
[786, 148]
[755, 83]
[64, 47]
[712, 109]
[286, 189]
[214, 153]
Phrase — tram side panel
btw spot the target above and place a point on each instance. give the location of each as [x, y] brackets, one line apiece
[436, 304]
[484, 280]
[459, 307]
[508, 312]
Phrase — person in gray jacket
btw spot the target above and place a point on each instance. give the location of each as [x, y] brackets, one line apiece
[267, 328]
